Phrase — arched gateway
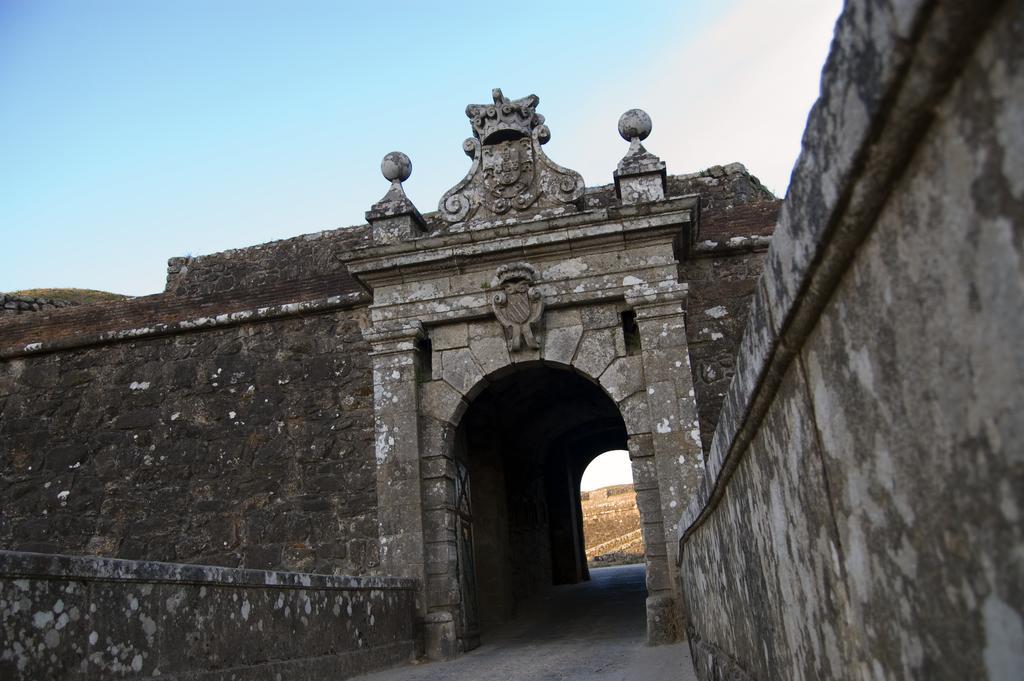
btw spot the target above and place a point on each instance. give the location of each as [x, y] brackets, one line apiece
[534, 331]
[519, 452]
[404, 407]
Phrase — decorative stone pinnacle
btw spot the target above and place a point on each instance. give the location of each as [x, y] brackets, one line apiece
[640, 176]
[395, 217]
[510, 173]
[634, 124]
[396, 166]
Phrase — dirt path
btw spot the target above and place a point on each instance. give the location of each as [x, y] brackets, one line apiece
[593, 630]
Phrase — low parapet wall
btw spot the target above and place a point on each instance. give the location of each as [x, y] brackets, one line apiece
[68, 617]
[860, 516]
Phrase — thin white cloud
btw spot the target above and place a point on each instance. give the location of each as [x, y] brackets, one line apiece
[739, 91]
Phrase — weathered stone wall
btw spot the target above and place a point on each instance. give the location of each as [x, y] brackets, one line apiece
[314, 259]
[246, 445]
[72, 618]
[733, 204]
[66, 398]
[11, 304]
[737, 219]
[722, 280]
[860, 518]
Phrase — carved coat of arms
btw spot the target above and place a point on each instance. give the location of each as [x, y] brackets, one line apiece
[510, 173]
[518, 304]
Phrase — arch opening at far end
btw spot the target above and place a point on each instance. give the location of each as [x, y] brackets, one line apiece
[524, 443]
[611, 520]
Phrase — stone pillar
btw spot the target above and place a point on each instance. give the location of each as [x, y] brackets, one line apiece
[673, 454]
[440, 408]
[396, 429]
[442, 587]
[661, 618]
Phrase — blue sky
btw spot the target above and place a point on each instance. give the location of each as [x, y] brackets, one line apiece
[133, 131]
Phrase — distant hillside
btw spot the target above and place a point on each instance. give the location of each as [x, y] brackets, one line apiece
[611, 526]
[74, 295]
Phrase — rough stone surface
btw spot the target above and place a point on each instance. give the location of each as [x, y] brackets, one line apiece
[787, 534]
[862, 518]
[248, 446]
[721, 286]
[310, 258]
[88, 618]
[11, 304]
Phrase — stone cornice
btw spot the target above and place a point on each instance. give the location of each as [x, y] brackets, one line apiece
[599, 229]
[472, 305]
[387, 337]
[650, 303]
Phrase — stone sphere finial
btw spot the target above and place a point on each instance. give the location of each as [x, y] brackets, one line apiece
[634, 124]
[396, 166]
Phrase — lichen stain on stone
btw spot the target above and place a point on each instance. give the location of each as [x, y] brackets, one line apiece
[42, 619]
[573, 267]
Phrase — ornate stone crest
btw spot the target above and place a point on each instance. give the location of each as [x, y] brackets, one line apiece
[518, 304]
[510, 172]
[508, 176]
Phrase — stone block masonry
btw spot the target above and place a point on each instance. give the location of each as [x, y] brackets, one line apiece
[243, 446]
[73, 618]
[294, 264]
[738, 217]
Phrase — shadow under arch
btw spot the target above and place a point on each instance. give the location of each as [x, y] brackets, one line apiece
[522, 438]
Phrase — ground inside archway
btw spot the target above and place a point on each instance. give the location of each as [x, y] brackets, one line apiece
[591, 630]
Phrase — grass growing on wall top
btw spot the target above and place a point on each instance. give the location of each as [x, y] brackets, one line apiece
[76, 295]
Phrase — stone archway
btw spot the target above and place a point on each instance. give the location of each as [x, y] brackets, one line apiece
[520, 443]
[548, 274]
[425, 381]
[453, 311]
[427, 377]
[470, 363]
